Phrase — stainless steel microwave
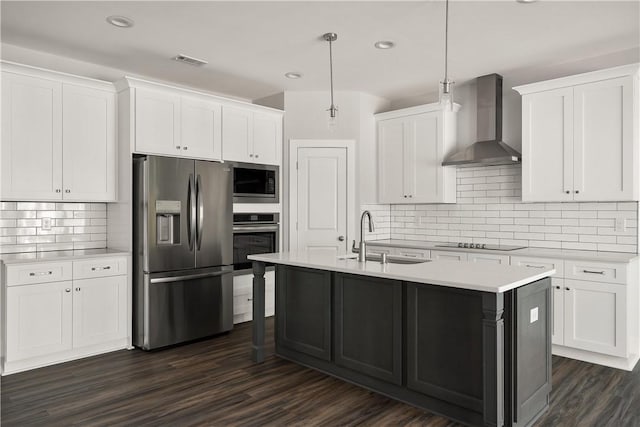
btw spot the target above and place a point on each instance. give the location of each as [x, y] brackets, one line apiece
[254, 183]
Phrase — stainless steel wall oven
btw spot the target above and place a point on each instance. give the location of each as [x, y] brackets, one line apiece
[254, 233]
[254, 183]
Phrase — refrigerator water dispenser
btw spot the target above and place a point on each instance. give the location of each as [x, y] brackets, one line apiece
[168, 222]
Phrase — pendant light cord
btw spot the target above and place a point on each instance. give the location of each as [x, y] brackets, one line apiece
[446, 41]
[331, 73]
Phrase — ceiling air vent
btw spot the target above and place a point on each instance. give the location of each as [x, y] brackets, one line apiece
[190, 60]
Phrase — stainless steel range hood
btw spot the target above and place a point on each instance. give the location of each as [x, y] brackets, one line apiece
[490, 149]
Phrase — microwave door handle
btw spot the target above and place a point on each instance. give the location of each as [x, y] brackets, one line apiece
[191, 205]
[200, 214]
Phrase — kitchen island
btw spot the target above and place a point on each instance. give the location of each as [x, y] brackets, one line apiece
[468, 341]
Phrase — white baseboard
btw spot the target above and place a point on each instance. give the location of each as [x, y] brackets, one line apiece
[626, 363]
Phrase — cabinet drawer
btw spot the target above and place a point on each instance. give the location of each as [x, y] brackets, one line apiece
[99, 267]
[379, 250]
[488, 258]
[448, 255]
[414, 253]
[540, 263]
[41, 272]
[596, 271]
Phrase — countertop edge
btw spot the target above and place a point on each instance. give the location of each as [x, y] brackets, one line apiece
[59, 256]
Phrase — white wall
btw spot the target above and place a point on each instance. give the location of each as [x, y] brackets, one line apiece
[306, 118]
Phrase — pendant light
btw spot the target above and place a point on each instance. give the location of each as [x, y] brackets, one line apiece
[333, 110]
[446, 86]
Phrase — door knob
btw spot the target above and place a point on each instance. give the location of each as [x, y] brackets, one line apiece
[341, 238]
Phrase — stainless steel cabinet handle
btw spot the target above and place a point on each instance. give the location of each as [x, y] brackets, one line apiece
[410, 255]
[567, 289]
[41, 273]
[410, 195]
[249, 299]
[67, 290]
[534, 266]
[557, 287]
[67, 191]
[250, 155]
[577, 191]
[567, 191]
[177, 147]
[341, 238]
[106, 267]
[77, 289]
[405, 196]
[58, 190]
[257, 156]
[185, 148]
[593, 272]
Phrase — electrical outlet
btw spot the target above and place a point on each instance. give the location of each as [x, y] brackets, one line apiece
[621, 224]
[533, 315]
[46, 223]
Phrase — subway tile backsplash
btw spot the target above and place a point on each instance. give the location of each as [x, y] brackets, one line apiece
[490, 210]
[73, 226]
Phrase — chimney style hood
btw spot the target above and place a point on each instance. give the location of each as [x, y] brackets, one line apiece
[490, 149]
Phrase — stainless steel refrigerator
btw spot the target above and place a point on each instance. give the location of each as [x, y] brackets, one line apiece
[183, 250]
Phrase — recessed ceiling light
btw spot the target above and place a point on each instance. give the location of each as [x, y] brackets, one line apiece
[189, 60]
[120, 21]
[526, 1]
[293, 75]
[384, 44]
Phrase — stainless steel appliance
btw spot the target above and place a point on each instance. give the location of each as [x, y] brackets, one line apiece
[489, 149]
[183, 284]
[254, 233]
[485, 246]
[255, 183]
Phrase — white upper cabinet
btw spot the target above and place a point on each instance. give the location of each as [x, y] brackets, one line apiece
[177, 122]
[250, 136]
[58, 136]
[580, 137]
[157, 122]
[412, 144]
[201, 129]
[89, 150]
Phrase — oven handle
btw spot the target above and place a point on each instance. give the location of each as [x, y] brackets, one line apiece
[253, 228]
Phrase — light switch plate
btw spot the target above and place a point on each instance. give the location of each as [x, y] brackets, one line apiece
[46, 223]
[533, 315]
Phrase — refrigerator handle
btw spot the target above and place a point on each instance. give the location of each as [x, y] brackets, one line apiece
[200, 215]
[191, 205]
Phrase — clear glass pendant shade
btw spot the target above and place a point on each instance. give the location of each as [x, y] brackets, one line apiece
[446, 95]
[332, 121]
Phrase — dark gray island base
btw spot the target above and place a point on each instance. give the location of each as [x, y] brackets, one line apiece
[480, 358]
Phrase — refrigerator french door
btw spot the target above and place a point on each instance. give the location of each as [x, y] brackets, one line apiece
[183, 243]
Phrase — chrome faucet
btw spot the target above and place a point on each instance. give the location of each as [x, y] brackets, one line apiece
[362, 254]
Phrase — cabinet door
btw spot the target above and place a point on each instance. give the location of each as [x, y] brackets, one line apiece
[448, 255]
[237, 134]
[38, 319]
[157, 122]
[99, 310]
[267, 138]
[391, 136]
[368, 326]
[603, 140]
[89, 151]
[423, 160]
[595, 317]
[304, 323]
[201, 128]
[31, 148]
[557, 313]
[547, 146]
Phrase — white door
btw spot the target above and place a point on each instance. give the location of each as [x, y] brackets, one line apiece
[237, 134]
[31, 149]
[99, 310]
[89, 149]
[547, 146]
[38, 319]
[321, 198]
[595, 317]
[603, 144]
[391, 137]
[267, 137]
[201, 128]
[157, 122]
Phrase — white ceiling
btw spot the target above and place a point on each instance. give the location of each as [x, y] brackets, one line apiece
[250, 45]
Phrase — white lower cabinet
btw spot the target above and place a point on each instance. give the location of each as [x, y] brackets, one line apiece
[243, 296]
[99, 310]
[54, 321]
[39, 319]
[557, 313]
[449, 255]
[595, 317]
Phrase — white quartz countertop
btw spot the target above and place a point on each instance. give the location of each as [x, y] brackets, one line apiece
[466, 275]
[60, 255]
[623, 257]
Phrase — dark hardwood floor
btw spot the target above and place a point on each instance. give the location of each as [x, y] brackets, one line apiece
[213, 382]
